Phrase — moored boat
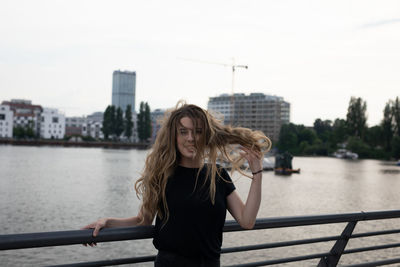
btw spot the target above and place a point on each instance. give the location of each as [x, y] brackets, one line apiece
[283, 164]
[286, 171]
[345, 154]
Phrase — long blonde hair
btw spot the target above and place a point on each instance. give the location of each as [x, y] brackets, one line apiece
[216, 143]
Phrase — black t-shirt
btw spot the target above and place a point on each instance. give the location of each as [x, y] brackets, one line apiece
[194, 228]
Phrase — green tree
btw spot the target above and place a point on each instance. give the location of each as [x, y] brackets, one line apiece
[29, 132]
[373, 136]
[387, 126]
[305, 134]
[19, 132]
[144, 122]
[323, 129]
[339, 132]
[396, 147]
[356, 117]
[128, 124]
[107, 123]
[140, 122]
[113, 121]
[288, 140]
[147, 121]
[119, 122]
[396, 116]
[356, 145]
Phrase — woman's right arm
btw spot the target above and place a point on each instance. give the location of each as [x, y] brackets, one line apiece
[142, 218]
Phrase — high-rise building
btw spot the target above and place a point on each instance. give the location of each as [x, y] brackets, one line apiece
[256, 111]
[124, 89]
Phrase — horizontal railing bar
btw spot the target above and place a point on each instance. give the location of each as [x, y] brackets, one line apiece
[109, 262]
[281, 222]
[363, 249]
[279, 244]
[279, 261]
[45, 239]
[376, 263]
[60, 238]
[386, 232]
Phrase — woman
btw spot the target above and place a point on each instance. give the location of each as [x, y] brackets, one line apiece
[188, 193]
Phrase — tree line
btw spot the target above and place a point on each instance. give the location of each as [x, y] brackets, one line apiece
[325, 137]
[117, 125]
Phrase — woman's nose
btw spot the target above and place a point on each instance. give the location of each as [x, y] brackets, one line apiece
[190, 136]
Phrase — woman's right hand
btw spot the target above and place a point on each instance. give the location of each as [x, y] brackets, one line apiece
[97, 226]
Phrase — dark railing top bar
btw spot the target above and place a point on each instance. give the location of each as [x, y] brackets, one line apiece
[45, 239]
[281, 222]
[60, 238]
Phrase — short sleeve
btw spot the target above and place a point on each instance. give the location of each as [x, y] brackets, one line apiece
[227, 182]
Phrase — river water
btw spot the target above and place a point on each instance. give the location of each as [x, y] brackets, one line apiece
[53, 189]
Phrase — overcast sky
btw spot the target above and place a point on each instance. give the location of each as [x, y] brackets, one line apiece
[315, 54]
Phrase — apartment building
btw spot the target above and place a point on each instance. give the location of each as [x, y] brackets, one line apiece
[52, 124]
[256, 111]
[25, 114]
[6, 122]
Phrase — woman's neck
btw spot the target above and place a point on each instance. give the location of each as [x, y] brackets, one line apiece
[190, 163]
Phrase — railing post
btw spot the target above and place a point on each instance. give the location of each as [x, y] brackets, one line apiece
[337, 249]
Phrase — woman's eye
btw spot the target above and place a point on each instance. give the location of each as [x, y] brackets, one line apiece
[199, 131]
[183, 132]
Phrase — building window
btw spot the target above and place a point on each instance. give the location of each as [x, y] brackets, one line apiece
[55, 119]
[2, 117]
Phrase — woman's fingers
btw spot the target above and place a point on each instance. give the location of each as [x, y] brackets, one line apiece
[250, 154]
[253, 157]
[96, 230]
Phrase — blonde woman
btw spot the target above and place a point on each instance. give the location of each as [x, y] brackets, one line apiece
[188, 193]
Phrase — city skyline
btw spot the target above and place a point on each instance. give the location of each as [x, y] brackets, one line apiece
[316, 55]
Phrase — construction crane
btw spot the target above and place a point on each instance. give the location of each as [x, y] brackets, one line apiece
[233, 66]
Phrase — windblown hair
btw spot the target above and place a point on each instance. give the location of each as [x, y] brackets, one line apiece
[217, 143]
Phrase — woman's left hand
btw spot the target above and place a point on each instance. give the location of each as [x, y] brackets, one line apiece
[253, 157]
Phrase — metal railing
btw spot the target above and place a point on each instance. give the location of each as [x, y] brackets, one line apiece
[329, 258]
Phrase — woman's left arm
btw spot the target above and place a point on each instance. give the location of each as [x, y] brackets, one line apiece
[246, 214]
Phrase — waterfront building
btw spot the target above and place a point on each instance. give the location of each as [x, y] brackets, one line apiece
[6, 122]
[52, 124]
[96, 116]
[93, 125]
[93, 129]
[85, 126]
[74, 125]
[25, 114]
[156, 117]
[124, 89]
[256, 111]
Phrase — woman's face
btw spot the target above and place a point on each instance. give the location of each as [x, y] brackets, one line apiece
[186, 138]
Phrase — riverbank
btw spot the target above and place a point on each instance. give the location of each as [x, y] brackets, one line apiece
[64, 143]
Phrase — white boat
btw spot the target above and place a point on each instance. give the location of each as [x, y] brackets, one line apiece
[345, 154]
